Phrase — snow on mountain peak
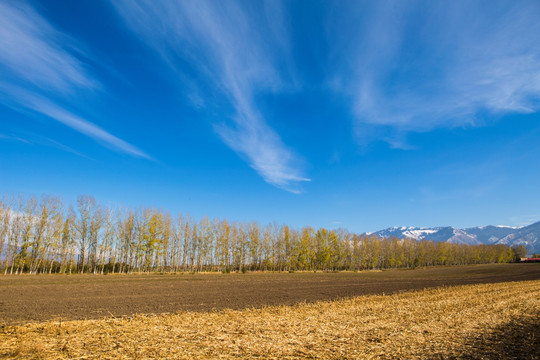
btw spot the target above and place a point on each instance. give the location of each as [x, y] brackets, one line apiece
[489, 234]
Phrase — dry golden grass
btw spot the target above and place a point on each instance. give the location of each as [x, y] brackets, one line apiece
[474, 321]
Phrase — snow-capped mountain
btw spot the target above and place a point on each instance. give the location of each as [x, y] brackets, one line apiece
[446, 233]
[527, 235]
[491, 234]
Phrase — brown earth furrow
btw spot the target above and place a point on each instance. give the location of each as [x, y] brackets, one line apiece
[485, 321]
[29, 298]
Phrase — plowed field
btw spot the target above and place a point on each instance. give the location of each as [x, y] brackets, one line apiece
[485, 321]
[33, 298]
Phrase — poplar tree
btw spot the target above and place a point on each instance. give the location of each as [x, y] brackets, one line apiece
[41, 237]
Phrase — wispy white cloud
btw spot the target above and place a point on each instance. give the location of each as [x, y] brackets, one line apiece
[14, 138]
[23, 100]
[265, 153]
[35, 52]
[63, 147]
[238, 55]
[420, 66]
[52, 111]
[37, 64]
[35, 139]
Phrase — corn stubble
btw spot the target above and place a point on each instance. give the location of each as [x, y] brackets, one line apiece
[487, 321]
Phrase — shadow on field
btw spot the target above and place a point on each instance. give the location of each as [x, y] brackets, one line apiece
[519, 339]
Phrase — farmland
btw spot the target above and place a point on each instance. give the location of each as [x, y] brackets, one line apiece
[483, 321]
[27, 298]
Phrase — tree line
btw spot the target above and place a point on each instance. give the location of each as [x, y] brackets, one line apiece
[48, 236]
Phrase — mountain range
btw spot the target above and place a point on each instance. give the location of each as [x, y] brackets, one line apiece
[490, 235]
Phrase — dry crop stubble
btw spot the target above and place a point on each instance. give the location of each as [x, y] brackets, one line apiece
[31, 298]
[472, 321]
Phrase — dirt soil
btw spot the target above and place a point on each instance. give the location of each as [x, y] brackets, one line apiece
[36, 298]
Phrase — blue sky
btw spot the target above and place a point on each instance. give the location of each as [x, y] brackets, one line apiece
[361, 115]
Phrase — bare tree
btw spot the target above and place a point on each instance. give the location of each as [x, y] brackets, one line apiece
[14, 233]
[50, 250]
[5, 219]
[108, 237]
[86, 205]
[43, 234]
[67, 242]
[28, 220]
[177, 230]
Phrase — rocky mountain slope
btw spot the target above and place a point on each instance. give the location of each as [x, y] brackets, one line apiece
[526, 235]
